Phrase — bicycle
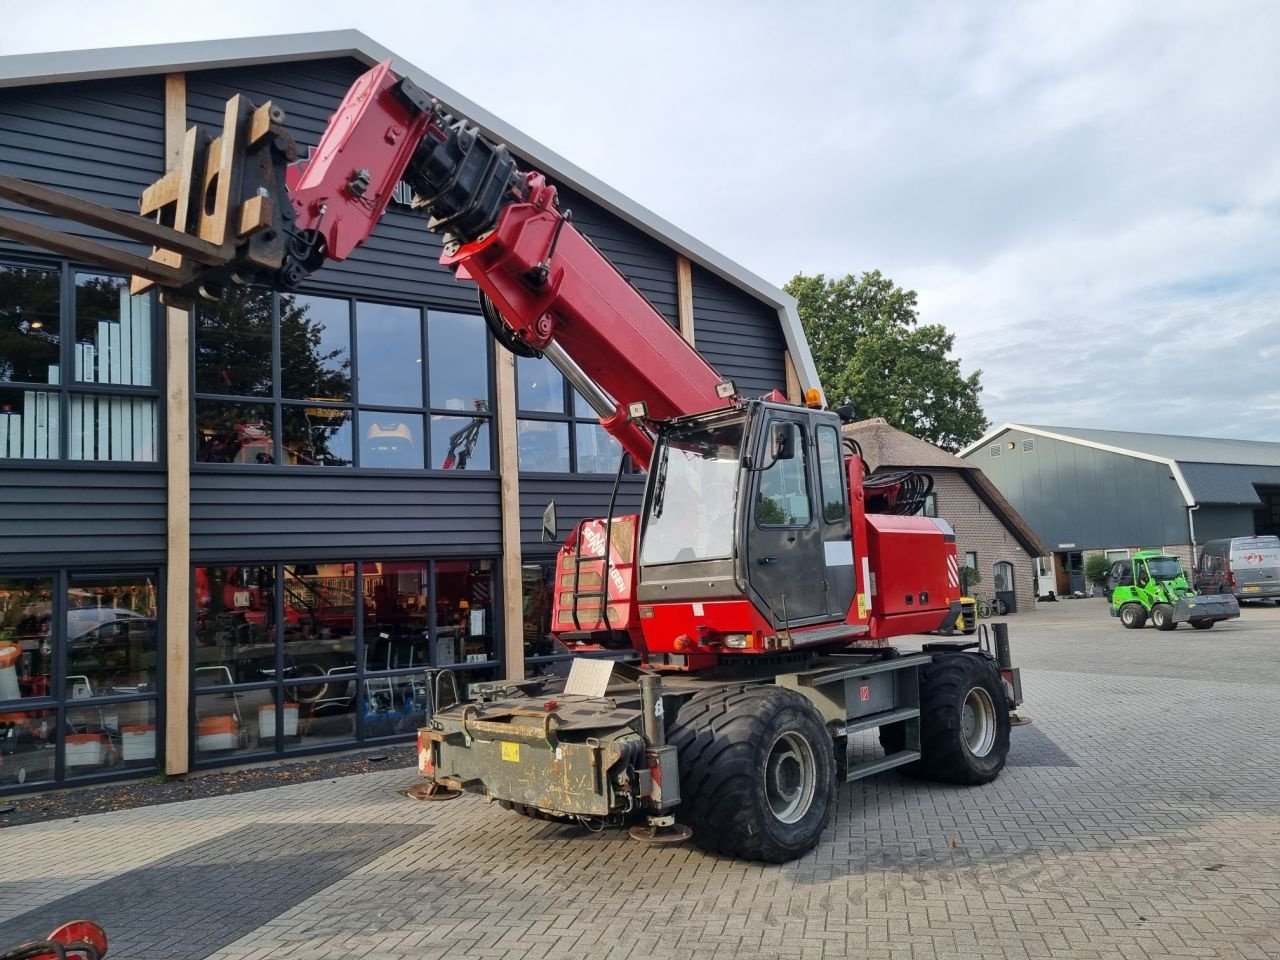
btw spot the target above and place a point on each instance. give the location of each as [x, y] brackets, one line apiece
[990, 608]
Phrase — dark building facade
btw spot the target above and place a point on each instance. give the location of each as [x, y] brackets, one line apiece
[246, 530]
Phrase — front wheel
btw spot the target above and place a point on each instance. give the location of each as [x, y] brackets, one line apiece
[757, 772]
[1162, 617]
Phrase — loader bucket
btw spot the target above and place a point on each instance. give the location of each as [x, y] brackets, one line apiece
[1222, 606]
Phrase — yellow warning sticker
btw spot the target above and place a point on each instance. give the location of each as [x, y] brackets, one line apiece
[862, 606]
[511, 751]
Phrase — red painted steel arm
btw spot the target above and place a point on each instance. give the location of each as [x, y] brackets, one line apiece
[505, 231]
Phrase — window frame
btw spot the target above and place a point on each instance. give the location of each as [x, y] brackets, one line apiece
[68, 386]
[352, 406]
[575, 421]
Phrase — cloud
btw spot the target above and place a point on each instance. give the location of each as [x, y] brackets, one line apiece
[1087, 193]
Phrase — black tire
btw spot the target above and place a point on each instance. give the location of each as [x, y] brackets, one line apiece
[1203, 624]
[1133, 616]
[757, 772]
[956, 746]
[1162, 617]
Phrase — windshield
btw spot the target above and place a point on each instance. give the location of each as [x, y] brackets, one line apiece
[1164, 568]
[691, 507]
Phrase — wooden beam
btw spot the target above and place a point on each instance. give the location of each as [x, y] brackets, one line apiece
[178, 596]
[91, 214]
[684, 296]
[794, 391]
[81, 248]
[512, 558]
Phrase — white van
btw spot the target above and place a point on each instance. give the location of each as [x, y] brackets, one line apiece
[1248, 567]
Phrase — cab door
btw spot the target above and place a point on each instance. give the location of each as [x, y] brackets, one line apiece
[784, 557]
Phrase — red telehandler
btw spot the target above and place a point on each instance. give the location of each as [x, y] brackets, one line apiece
[756, 590]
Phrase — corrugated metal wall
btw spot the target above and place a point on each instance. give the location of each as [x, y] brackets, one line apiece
[1090, 498]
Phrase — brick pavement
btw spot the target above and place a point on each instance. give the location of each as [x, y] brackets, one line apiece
[1139, 818]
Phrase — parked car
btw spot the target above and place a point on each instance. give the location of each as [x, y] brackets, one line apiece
[1248, 567]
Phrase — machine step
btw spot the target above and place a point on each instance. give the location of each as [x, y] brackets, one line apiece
[881, 764]
[880, 719]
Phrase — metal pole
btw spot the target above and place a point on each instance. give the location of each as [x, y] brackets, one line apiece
[597, 399]
[651, 711]
[1003, 654]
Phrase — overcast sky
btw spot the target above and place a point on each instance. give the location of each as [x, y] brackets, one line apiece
[1086, 193]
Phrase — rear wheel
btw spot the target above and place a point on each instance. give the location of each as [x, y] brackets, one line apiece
[757, 772]
[1133, 616]
[1202, 624]
[964, 722]
[1162, 617]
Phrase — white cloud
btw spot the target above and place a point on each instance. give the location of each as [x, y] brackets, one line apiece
[1088, 193]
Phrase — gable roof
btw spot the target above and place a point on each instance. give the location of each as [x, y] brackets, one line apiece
[1206, 469]
[80, 65]
[886, 447]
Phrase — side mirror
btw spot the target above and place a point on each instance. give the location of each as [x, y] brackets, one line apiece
[845, 413]
[550, 528]
[782, 441]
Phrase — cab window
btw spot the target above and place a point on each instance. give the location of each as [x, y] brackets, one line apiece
[833, 487]
[782, 499]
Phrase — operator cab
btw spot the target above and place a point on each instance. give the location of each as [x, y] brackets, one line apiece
[750, 503]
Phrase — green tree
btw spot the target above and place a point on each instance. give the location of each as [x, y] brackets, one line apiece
[872, 351]
[1096, 568]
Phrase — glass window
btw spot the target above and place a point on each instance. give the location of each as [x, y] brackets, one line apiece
[464, 611]
[235, 624]
[234, 432]
[26, 637]
[691, 507]
[461, 443]
[542, 446]
[101, 737]
[111, 636]
[396, 609]
[971, 559]
[320, 621]
[391, 440]
[316, 436]
[30, 342]
[831, 471]
[315, 348]
[389, 355]
[1002, 574]
[113, 332]
[783, 496]
[112, 346]
[598, 452]
[930, 506]
[28, 747]
[539, 386]
[226, 723]
[233, 344]
[459, 351]
[327, 719]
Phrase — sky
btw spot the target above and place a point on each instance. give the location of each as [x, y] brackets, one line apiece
[1086, 193]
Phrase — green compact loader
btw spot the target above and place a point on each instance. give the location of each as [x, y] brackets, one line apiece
[1153, 584]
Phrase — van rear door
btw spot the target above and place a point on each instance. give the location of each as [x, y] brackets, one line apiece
[1255, 565]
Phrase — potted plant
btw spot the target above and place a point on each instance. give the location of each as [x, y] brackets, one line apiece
[1096, 568]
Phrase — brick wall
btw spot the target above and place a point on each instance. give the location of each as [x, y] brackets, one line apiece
[981, 531]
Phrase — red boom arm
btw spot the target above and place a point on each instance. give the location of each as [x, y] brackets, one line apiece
[505, 231]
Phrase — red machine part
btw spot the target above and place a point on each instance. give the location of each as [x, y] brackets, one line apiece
[78, 940]
[343, 187]
[576, 597]
[911, 561]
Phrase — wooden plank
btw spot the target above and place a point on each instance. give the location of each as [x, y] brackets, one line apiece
[180, 145]
[684, 296]
[794, 392]
[91, 251]
[509, 504]
[131, 226]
